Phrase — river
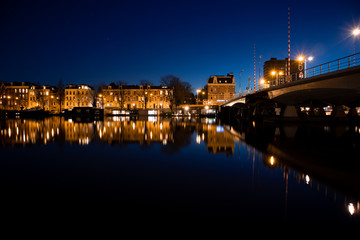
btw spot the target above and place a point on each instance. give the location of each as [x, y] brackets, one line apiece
[181, 167]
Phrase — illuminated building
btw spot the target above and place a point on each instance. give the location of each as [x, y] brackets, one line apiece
[15, 96]
[220, 89]
[43, 97]
[113, 97]
[275, 69]
[25, 95]
[79, 96]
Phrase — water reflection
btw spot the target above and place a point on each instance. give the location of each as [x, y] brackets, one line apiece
[323, 159]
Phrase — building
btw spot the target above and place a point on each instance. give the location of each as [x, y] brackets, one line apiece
[79, 96]
[43, 97]
[114, 97]
[15, 96]
[25, 95]
[274, 70]
[220, 89]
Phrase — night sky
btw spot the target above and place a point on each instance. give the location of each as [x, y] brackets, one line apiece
[97, 42]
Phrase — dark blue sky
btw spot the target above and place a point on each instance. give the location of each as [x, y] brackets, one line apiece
[108, 41]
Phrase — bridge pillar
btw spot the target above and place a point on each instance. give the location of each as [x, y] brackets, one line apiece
[338, 112]
[317, 112]
[290, 112]
[352, 112]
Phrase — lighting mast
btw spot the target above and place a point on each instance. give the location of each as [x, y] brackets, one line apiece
[288, 60]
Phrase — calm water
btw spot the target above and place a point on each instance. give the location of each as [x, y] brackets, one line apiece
[296, 174]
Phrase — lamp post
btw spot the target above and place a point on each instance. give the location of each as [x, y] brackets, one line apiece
[303, 58]
[276, 75]
[355, 33]
[197, 95]
[240, 81]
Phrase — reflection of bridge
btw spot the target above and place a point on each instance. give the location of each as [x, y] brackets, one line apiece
[336, 84]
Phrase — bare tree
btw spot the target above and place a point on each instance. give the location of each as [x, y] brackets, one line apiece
[182, 90]
[146, 82]
[60, 93]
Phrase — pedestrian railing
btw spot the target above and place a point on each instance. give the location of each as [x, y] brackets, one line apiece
[332, 66]
[336, 65]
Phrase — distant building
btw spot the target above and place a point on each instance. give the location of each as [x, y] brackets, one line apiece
[79, 96]
[15, 96]
[113, 97]
[43, 97]
[275, 70]
[25, 95]
[220, 89]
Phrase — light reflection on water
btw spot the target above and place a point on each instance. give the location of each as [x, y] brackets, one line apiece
[276, 170]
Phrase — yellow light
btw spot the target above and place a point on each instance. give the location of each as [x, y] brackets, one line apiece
[301, 58]
[262, 81]
[199, 90]
[356, 32]
[273, 73]
[351, 208]
[281, 73]
[186, 108]
[206, 107]
[272, 160]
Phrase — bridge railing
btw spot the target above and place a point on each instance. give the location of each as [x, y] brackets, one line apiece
[332, 66]
[335, 65]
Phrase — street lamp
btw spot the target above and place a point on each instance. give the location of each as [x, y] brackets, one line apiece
[278, 76]
[197, 95]
[303, 58]
[355, 33]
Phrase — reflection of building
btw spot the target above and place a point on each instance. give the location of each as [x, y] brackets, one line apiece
[24, 132]
[135, 131]
[220, 89]
[81, 133]
[135, 97]
[219, 141]
[79, 96]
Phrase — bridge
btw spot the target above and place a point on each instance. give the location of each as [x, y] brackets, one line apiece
[335, 84]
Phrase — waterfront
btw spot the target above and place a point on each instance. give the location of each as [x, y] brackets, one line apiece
[181, 167]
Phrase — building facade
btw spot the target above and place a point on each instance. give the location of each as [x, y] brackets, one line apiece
[114, 97]
[25, 95]
[274, 70]
[43, 97]
[15, 96]
[220, 89]
[79, 96]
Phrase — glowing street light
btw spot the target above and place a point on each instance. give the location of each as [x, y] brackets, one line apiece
[355, 33]
[304, 59]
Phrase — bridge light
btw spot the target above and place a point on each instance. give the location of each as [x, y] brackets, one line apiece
[310, 58]
[301, 58]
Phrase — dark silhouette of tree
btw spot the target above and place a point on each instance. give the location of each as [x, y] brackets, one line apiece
[60, 93]
[146, 82]
[182, 90]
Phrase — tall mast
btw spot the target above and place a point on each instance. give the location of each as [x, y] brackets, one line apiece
[254, 69]
[288, 60]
